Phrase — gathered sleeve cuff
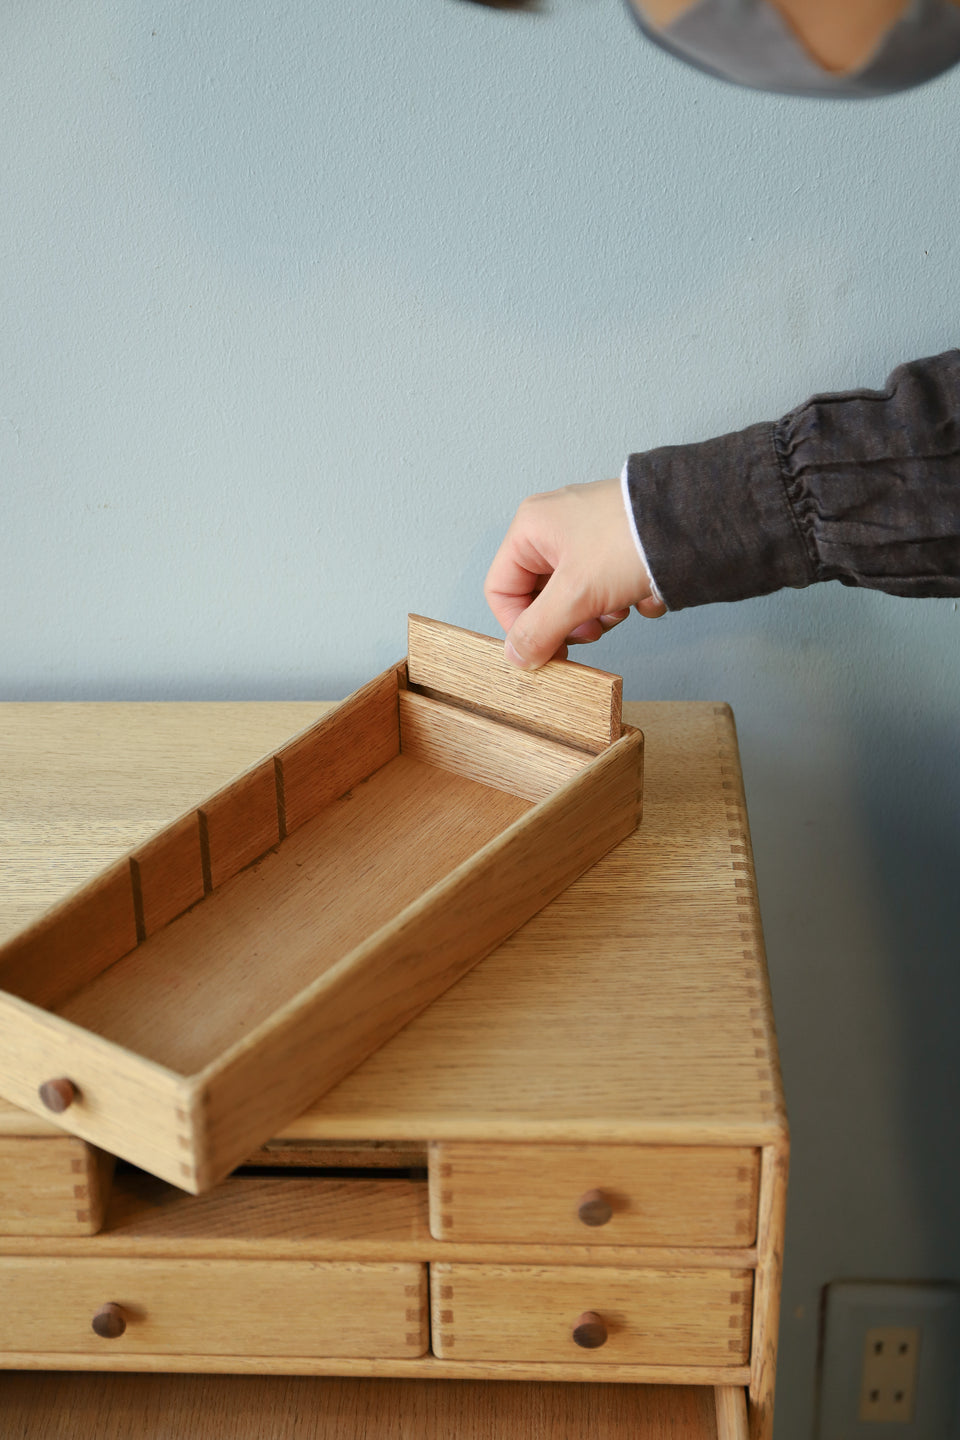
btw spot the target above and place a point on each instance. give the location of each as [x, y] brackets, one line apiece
[861, 487]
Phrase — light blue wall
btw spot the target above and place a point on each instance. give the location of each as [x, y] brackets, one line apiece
[297, 301]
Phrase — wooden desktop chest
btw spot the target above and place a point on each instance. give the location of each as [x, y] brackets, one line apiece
[571, 1166]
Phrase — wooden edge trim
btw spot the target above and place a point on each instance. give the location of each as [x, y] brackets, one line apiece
[630, 731]
[731, 1402]
[774, 1165]
[731, 773]
[423, 1251]
[420, 1367]
[424, 1125]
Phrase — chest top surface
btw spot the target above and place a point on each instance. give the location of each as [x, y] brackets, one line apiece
[635, 1007]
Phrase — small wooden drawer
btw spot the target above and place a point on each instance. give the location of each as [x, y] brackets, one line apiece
[597, 1195]
[52, 1186]
[598, 1315]
[212, 1307]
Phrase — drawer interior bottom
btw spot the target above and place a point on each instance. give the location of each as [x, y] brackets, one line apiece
[262, 937]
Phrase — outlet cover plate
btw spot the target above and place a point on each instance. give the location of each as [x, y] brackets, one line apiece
[855, 1308]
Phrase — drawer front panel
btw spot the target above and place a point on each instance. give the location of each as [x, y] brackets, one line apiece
[55, 1186]
[638, 1317]
[633, 1195]
[215, 1307]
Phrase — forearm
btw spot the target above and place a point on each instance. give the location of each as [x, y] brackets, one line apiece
[862, 487]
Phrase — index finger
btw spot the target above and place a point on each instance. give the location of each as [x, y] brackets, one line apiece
[517, 574]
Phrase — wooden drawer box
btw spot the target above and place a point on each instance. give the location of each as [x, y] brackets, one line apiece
[196, 996]
[633, 1012]
[54, 1185]
[595, 1194]
[262, 1266]
[634, 1317]
[213, 1307]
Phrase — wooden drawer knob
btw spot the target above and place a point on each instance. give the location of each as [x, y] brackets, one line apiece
[58, 1095]
[109, 1321]
[594, 1208]
[590, 1332]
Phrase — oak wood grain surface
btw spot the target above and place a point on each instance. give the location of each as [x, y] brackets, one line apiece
[568, 700]
[222, 1307]
[305, 956]
[336, 1022]
[424, 1367]
[732, 1420]
[295, 1216]
[483, 749]
[51, 1185]
[770, 1226]
[53, 1406]
[253, 1216]
[618, 1013]
[652, 1317]
[260, 938]
[634, 1009]
[656, 1194]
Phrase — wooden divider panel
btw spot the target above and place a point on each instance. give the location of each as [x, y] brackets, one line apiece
[168, 872]
[240, 823]
[565, 701]
[481, 749]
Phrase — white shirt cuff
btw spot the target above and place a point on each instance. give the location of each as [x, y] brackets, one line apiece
[625, 492]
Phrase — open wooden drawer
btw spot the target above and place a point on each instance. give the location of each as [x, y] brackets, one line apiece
[182, 1007]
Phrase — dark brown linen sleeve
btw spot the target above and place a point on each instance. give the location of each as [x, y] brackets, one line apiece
[861, 487]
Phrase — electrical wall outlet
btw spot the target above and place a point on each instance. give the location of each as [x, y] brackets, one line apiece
[890, 1358]
[888, 1380]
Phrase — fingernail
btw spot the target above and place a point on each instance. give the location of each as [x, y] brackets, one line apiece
[513, 658]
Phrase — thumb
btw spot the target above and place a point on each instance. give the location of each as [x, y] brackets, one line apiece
[540, 630]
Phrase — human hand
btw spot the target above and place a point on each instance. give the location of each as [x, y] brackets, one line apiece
[567, 572]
